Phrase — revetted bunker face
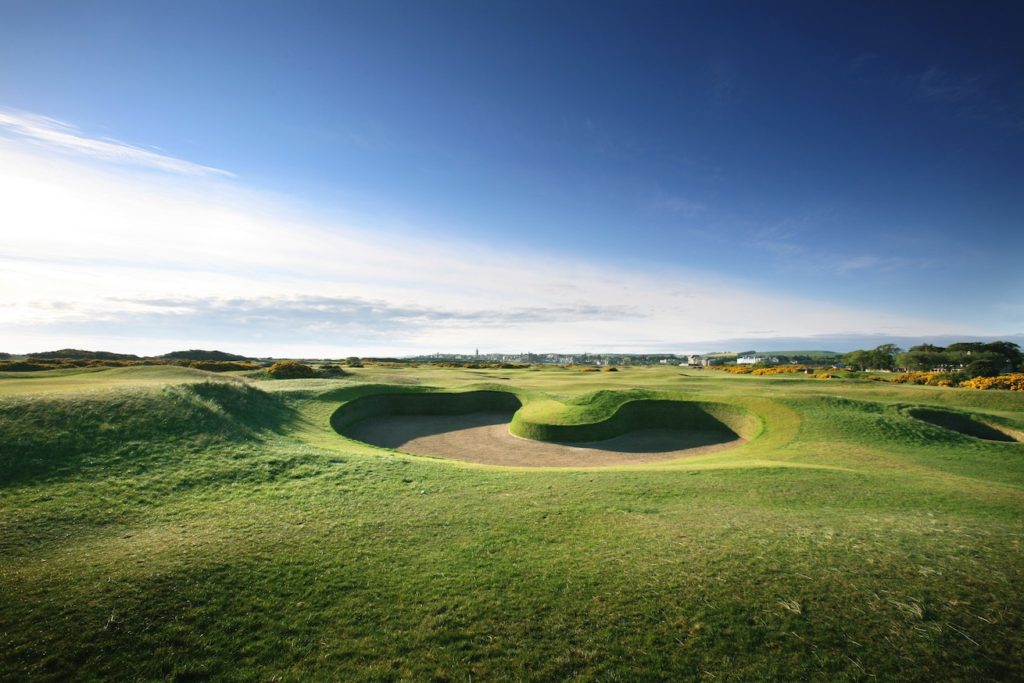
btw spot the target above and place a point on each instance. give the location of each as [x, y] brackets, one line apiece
[487, 427]
[962, 423]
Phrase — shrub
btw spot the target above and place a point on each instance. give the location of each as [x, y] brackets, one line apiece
[761, 369]
[202, 354]
[780, 370]
[611, 369]
[22, 366]
[734, 369]
[290, 369]
[222, 366]
[934, 379]
[331, 371]
[1014, 382]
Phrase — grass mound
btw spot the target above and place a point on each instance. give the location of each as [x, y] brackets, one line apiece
[962, 423]
[635, 414]
[54, 436]
[379, 405]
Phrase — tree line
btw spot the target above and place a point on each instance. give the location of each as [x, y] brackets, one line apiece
[976, 359]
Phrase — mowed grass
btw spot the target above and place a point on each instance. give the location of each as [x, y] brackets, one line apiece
[187, 526]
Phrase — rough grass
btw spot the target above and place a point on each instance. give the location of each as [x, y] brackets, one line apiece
[153, 529]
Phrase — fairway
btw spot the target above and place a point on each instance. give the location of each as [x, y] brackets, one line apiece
[172, 523]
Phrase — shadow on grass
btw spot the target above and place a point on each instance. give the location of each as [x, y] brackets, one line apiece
[662, 440]
[962, 423]
[392, 431]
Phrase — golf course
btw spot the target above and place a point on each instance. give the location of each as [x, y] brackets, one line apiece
[473, 524]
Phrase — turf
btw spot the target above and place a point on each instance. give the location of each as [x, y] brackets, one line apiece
[168, 523]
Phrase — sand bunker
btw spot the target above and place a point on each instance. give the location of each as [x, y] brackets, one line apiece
[483, 437]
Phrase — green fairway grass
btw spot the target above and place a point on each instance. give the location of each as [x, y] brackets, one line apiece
[169, 523]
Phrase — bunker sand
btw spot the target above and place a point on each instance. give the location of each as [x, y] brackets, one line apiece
[483, 437]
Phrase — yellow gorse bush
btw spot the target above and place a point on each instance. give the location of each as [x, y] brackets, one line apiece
[1014, 382]
[933, 378]
[760, 370]
[781, 370]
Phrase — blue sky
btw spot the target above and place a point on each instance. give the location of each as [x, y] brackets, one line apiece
[645, 176]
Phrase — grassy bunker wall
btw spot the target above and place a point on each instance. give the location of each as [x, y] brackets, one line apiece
[377, 405]
[961, 422]
[647, 414]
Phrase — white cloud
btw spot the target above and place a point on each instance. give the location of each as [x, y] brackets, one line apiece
[59, 135]
[143, 263]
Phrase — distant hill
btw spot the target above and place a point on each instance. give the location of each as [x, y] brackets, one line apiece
[812, 355]
[80, 354]
[200, 354]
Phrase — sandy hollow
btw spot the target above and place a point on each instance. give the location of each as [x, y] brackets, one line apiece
[484, 438]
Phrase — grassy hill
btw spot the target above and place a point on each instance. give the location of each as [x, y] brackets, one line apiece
[200, 354]
[160, 522]
[81, 354]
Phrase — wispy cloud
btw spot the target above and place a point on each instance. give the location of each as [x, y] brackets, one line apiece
[992, 97]
[792, 244]
[936, 84]
[340, 312]
[683, 206]
[142, 262]
[874, 263]
[972, 96]
[261, 325]
[60, 135]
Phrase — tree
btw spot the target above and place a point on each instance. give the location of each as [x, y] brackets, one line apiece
[884, 357]
[858, 360]
[984, 367]
[923, 357]
[1005, 355]
[1009, 352]
[880, 358]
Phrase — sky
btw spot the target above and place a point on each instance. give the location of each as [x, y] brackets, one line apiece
[324, 179]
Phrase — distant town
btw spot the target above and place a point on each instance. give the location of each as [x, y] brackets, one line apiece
[608, 359]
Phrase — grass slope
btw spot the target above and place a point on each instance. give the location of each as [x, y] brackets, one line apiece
[175, 527]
